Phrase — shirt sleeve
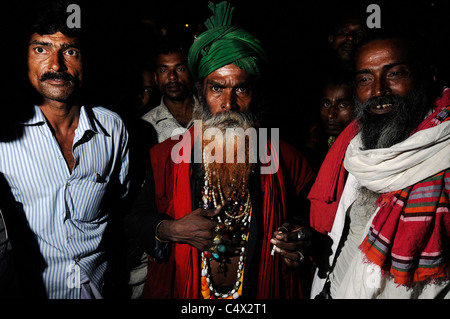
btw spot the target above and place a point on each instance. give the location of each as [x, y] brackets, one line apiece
[124, 177]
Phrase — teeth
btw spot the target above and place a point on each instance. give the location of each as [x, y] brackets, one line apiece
[383, 106]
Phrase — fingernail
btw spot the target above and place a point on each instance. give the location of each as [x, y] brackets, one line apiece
[273, 241]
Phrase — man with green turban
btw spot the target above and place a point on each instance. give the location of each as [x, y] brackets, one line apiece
[224, 229]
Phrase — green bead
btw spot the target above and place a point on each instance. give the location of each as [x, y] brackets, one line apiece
[222, 248]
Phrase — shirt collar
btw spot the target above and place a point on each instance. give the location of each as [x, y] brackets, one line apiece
[86, 122]
[38, 117]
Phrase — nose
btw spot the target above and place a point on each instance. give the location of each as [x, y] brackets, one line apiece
[172, 75]
[57, 63]
[350, 37]
[332, 112]
[229, 101]
[381, 87]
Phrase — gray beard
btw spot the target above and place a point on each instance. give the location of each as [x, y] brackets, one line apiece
[385, 130]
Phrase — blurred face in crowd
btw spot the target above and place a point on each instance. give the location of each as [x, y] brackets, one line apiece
[389, 102]
[337, 108]
[55, 66]
[147, 89]
[346, 38]
[172, 76]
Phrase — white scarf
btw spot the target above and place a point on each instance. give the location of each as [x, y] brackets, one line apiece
[420, 156]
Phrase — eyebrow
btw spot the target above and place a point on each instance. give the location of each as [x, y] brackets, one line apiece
[36, 42]
[165, 65]
[63, 46]
[222, 84]
[385, 67]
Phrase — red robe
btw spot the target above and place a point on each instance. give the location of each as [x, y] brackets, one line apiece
[179, 277]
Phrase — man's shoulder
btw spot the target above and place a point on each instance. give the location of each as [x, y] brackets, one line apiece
[105, 116]
[103, 112]
[153, 115]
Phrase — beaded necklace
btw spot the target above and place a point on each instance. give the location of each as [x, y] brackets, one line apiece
[231, 230]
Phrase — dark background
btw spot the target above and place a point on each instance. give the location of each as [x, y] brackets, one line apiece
[294, 33]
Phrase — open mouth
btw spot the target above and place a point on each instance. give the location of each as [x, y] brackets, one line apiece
[381, 109]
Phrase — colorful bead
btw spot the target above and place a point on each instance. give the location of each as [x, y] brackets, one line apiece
[222, 248]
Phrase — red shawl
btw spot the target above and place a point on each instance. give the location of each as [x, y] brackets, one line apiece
[180, 276]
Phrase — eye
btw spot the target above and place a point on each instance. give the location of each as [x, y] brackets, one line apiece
[396, 73]
[343, 31]
[215, 88]
[363, 80]
[181, 69]
[344, 105]
[326, 104]
[162, 70]
[241, 90]
[72, 53]
[39, 50]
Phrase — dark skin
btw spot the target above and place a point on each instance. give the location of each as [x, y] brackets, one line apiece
[173, 80]
[226, 89]
[382, 68]
[288, 245]
[337, 108]
[57, 54]
[346, 38]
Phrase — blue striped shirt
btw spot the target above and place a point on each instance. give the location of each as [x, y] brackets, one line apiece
[64, 209]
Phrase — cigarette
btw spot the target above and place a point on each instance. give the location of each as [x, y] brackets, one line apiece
[273, 250]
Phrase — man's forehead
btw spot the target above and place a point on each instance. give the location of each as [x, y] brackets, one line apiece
[380, 52]
[170, 59]
[351, 25]
[229, 72]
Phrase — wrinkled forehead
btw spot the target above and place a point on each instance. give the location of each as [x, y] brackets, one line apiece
[379, 52]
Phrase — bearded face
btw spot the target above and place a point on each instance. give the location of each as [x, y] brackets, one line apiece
[391, 97]
[225, 105]
[382, 130]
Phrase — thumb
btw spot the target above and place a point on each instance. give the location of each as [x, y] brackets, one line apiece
[212, 212]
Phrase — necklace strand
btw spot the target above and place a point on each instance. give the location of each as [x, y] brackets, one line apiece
[237, 211]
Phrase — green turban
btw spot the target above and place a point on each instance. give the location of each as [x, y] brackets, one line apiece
[224, 44]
